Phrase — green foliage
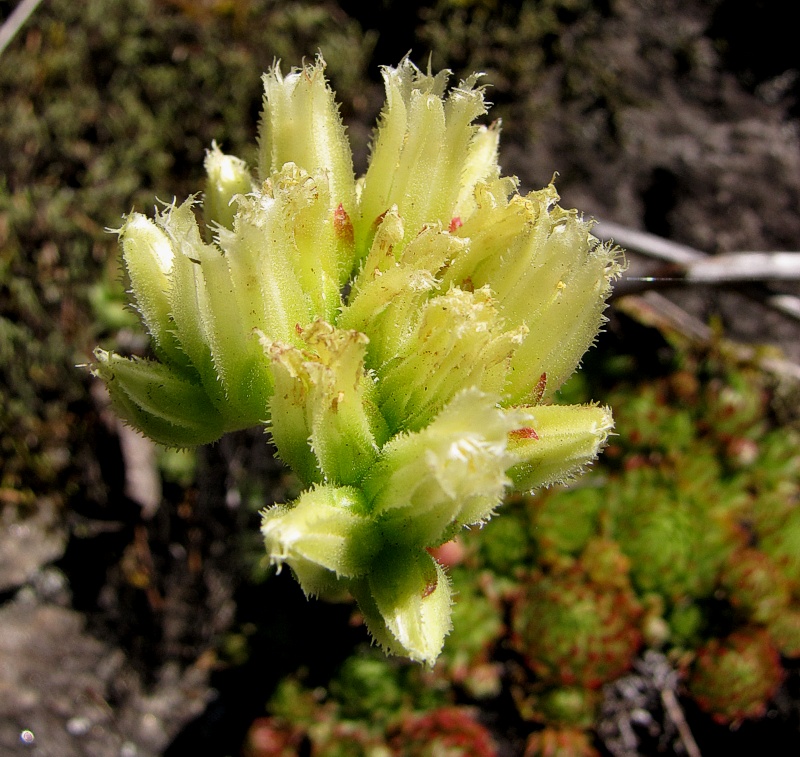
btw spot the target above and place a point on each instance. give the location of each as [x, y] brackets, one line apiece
[666, 524]
[701, 497]
[695, 504]
[373, 707]
[506, 544]
[563, 520]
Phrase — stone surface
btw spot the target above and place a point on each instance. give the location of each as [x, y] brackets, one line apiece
[65, 693]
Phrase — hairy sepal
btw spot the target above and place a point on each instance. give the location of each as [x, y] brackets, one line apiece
[159, 402]
[449, 474]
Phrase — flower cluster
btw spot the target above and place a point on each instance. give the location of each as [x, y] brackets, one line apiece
[400, 335]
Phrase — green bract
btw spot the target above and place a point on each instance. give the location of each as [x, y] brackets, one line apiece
[398, 335]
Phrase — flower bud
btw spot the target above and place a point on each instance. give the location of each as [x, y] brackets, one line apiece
[148, 257]
[427, 153]
[496, 228]
[427, 485]
[546, 271]
[282, 254]
[458, 340]
[323, 419]
[558, 442]
[301, 124]
[324, 536]
[227, 177]
[406, 600]
[389, 292]
[213, 325]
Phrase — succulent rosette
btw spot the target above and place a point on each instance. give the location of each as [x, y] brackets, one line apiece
[553, 742]
[734, 678]
[399, 335]
[446, 731]
[577, 626]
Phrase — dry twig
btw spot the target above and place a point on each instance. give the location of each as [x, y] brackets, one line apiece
[685, 265]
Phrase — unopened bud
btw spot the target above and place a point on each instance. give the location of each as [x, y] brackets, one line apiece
[324, 536]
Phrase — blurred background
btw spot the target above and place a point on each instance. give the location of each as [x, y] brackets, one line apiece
[136, 615]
